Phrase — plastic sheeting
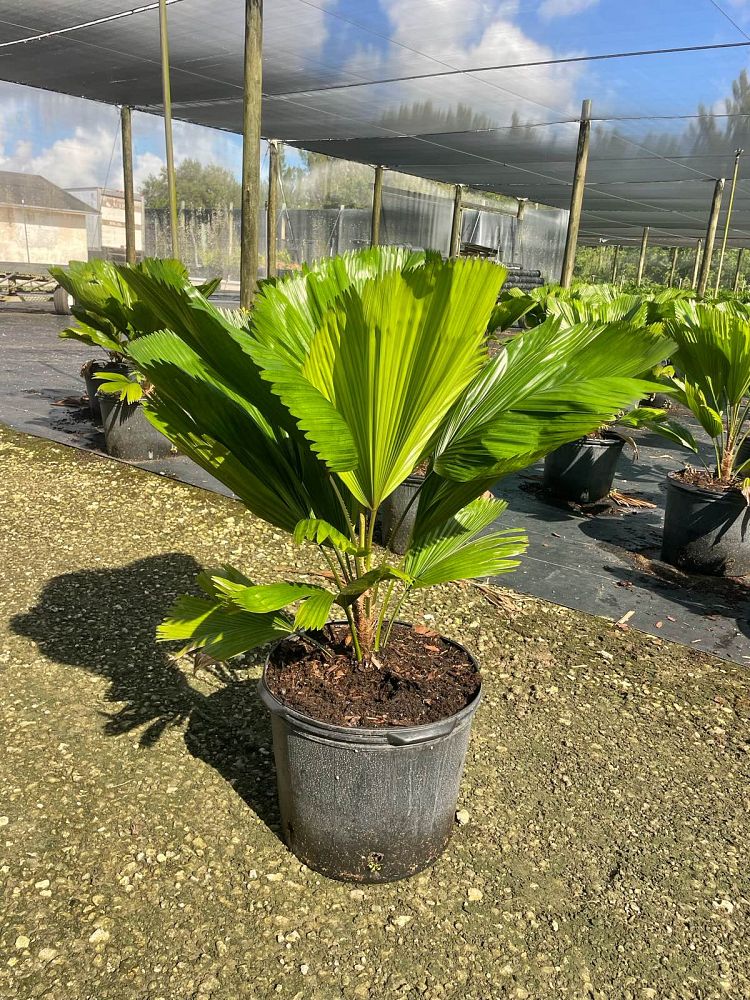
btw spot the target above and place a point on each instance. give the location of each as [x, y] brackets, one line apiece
[480, 92]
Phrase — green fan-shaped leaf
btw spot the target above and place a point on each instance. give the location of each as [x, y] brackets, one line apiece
[389, 360]
[261, 598]
[313, 613]
[315, 529]
[366, 581]
[218, 630]
[452, 550]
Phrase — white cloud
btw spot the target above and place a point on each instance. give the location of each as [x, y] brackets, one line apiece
[465, 34]
[550, 9]
[76, 143]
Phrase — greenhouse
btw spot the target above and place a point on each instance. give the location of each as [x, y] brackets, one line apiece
[375, 439]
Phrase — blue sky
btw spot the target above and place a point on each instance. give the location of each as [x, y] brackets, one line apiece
[76, 143]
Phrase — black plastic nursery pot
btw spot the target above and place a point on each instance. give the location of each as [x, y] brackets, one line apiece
[367, 805]
[128, 433]
[583, 470]
[90, 371]
[400, 506]
[706, 531]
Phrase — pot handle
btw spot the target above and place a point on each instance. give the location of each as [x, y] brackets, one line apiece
[408, 739]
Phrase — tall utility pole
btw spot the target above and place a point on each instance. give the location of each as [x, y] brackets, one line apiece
[251, 112]
[696, 265]
[455, 245]
[166, 90]
[520, 213]
[735, 174]
[377, 204]
[738, 269]
[642, 258]
[127, 183]
[673, 269]
[614, 263]
[713, 221]
[576, 197]
[272, 223]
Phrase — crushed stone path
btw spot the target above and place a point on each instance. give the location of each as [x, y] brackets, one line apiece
[604, 848]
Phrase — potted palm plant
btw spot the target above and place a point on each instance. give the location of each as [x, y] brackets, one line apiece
[707, 516]
[97, 294]
[107, 317]
[313, 410]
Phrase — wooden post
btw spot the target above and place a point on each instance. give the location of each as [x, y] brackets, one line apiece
[377, 204]
[518, 246]
[673, 269]
[455, 244]
[167, 103]
[614, 263]
[738, 270]
[576, 198]
[251, 113]
[696, 264]
[127, 183]
[737, 154]
[713, 220]
[273, 202]
[642, 258]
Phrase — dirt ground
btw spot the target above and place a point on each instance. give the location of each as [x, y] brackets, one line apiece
[605, 853]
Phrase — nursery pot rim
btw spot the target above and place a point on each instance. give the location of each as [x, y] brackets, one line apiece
[605, 440]
[391, 735]
[730, 496]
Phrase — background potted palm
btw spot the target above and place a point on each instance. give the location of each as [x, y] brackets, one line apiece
[707, 517]
[97, 292]
[584, 470]
[108, 317]
[313, 411]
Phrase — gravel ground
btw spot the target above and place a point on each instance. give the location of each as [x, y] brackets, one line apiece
[604, 852]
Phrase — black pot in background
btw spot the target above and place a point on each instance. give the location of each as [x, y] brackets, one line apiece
[367, 805]
[392, 511]
[706, 531]
[90, 371]
[128, 433]
[584, 469]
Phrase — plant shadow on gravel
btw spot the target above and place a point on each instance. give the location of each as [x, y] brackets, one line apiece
[104, 621]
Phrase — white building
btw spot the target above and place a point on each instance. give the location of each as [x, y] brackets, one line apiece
[39, 222]
[107, 227]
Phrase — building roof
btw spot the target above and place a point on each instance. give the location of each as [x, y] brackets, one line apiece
[35, 191]
[481, 92]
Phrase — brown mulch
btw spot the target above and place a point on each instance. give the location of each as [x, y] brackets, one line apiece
[418, 678]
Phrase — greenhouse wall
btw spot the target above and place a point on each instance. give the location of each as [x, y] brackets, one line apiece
[210, 238]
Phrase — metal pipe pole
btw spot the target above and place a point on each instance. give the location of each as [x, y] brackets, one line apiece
[696, 265]
[673, 270]
[455, 244]
[127, 183]
[713, 221]
[738, 270]
[377, 204]
[737, 154]
[642, 258]
[167, 103]
[272, 211]
[614, 263]
[251, 124]
[576, 198]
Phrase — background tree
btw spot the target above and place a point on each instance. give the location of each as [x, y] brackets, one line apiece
[199, 185]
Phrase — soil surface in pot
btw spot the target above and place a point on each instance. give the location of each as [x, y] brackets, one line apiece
[705, 480]
[418, 678]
